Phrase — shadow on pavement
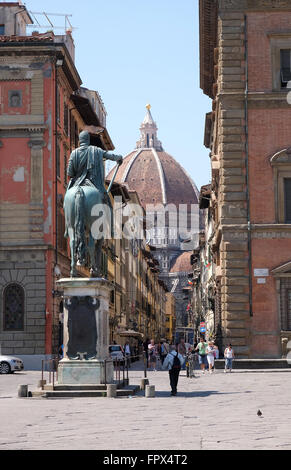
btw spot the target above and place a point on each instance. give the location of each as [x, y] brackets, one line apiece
[199, 394]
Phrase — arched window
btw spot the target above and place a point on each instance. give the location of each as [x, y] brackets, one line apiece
[13, 308]
[281, 163]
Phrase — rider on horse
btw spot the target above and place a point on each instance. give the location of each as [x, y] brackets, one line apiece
[86, 170]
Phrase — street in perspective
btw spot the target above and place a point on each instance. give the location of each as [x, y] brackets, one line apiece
[210, 412]
[145, 227]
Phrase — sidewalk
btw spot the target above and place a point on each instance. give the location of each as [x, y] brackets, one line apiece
[211, 411]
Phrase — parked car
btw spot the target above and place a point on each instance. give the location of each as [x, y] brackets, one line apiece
[116, 353]
[10, 364]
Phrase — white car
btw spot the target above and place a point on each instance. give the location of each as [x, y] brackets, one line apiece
[10, 364]
[116, 352]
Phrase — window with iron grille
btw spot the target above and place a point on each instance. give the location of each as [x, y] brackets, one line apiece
[13, 308]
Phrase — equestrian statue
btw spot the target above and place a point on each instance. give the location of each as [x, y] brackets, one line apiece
[85, 190]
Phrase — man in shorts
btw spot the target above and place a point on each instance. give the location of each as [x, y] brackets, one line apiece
[202, 355]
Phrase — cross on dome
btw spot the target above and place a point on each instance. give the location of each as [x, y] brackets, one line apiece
[148, 130]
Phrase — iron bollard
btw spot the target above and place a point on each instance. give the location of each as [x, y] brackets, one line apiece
[111, 391]
[22, 391]
[150, 391]
[143, 383]
[145, 365]
[41, 384]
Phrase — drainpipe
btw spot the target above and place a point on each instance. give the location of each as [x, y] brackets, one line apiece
[58, 63]
[247, 171]
[56, 163]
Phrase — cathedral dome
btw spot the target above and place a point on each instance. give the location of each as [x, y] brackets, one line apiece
[182, 263]
[154, 174]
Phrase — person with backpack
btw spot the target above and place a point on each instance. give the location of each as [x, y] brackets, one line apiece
[173, 363]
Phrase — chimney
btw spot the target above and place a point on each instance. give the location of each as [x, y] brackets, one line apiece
[13, 19]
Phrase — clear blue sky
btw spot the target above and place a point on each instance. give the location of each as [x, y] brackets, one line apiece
[136, 52]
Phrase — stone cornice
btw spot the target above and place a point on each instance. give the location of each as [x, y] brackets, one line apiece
[18, 131]
[271, 227]
[254, 5]
[53, 50]
[257, 227]
[258, 99]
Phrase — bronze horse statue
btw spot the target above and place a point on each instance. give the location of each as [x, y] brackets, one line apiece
[86, 190]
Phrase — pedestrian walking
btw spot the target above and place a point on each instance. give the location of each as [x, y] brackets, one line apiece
[190, 362]
[173, 363]
[127, 353]
[158, 353]
[164, 352]
[216, 352]
[152, 355]
[229, 357]
[202, 356]
[210, 356]
[183, 351]
[146, 350]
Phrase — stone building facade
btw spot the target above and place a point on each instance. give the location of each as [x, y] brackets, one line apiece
[41, 114]
[245, 50]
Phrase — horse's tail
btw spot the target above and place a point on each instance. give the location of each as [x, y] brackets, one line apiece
[79, 228]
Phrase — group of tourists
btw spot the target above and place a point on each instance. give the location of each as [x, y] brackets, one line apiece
[175, 357]
[208, 352]
[155, 353]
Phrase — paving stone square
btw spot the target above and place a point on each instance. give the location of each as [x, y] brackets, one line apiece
[211, 411]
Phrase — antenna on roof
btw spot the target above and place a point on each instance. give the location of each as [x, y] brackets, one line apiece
[40, 15]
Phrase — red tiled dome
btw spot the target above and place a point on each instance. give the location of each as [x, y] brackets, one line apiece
[157, 178]
[154, 174]
[182, 263]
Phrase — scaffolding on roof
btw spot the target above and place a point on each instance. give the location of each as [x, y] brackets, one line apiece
[39, 16]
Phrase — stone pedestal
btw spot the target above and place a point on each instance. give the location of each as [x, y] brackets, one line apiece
[86, 332]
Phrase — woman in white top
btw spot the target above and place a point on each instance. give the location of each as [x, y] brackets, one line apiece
[210, 351]
[229, 357]
[152, 354]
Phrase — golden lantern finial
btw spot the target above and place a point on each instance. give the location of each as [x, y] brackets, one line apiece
[148, 106]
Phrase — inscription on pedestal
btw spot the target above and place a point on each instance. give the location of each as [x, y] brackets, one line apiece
[82, 328]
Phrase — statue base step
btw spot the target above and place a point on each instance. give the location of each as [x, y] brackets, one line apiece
[85, 372]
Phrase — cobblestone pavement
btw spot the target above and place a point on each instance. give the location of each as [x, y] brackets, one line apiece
[211, 411]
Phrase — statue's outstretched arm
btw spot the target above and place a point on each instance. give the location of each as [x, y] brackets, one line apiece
[113, 157]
